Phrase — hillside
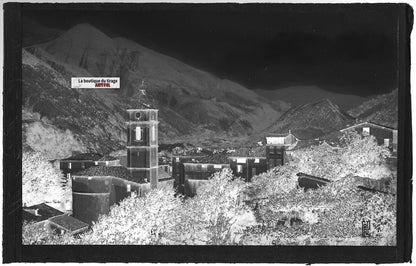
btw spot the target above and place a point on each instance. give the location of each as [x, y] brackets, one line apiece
[382, 109]
[194, 106]
[311, 120]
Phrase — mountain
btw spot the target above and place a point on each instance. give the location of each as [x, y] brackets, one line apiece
[312, 120]
[382, 109]
[194, 106]
[297, 95]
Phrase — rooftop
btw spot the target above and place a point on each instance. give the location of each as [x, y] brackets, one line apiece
[84, 157]
[116, 171]
[40, 212]
[69, 223]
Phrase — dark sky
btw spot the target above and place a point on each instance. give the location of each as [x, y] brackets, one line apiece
[341, 48]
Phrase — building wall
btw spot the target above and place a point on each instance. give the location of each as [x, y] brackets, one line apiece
[178, 170]
[247, 167]
[75, 166]
[379, 133]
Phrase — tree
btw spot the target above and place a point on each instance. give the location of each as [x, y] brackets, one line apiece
[137, 220]
[41, 182]
[356, 155]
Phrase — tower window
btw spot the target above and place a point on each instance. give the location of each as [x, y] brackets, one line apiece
[153, 133]
[138, 133]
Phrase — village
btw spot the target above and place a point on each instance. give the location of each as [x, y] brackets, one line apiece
[100, 182]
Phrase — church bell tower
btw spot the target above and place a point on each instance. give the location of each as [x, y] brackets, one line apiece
[142, 145]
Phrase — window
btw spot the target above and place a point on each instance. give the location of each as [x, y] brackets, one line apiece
[128, 188]
[241, 160]
[257, 160]
[239, 168]
[177, 159]
[70, 166]
[387, 142]
[204, 167]
[366, 130]
[153, 133]
[138, 133]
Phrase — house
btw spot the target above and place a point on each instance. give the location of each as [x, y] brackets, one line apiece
[51, 220]
[276, 147]
[286, 140]
[384, 135]
[247, 167]
[81, 161]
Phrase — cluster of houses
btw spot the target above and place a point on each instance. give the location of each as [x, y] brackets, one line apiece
[99, 182]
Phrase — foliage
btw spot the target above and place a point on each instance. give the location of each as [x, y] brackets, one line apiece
[356, 155]
[280, 180]
[34, 233]
[211, 216]
[137, 220]
[278, 212]
[380, 210]
[161, 218]
[41, 182]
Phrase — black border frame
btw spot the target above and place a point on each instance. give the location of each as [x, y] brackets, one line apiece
[13, 251]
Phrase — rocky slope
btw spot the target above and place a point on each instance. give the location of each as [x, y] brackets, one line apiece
[382, 109]
[194, 106]
[311, 120]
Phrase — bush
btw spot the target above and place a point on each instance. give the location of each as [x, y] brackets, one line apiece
[41, 182]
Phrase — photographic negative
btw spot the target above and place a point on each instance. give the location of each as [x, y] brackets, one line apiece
[177, 124]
